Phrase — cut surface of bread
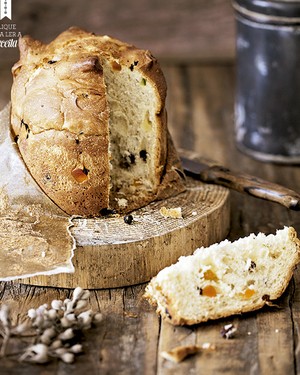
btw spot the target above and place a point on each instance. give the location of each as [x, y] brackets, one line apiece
[226, 278]
[89, 117]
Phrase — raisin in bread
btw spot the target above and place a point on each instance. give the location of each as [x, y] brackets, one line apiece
[226, 278]
[88, 114]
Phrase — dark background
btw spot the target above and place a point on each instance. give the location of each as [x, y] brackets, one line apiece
[181, 30]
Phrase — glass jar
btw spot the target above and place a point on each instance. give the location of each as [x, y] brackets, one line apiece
[267, 103]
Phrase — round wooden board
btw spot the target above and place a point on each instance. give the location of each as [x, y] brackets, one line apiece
[111, 253]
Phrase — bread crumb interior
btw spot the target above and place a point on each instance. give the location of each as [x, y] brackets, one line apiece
[132, 104]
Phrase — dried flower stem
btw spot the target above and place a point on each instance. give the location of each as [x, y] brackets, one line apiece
[55, 329]
[6, 333]
[4, 345]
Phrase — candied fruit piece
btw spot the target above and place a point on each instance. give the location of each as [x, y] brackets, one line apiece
[116, 66]
[210, 275]
[147, 123]
[248, 293]
[80, 175]
[209, 291]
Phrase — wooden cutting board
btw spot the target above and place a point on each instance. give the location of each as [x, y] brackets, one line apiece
[111, 253]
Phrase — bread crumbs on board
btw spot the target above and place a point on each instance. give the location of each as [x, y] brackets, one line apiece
[174, 213]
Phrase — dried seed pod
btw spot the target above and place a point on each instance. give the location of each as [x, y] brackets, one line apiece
[61, 351]
[5, 315]
[86, 318]
[66, 302]
[97, 318]
[37, 353]
[48, 323]
[21, 328]
[77, 348]
[77, 293]
[32, 313]
[81, 304]
[45, 339]
[65, 322]
[56, 344]
[67, 334]
[85, 295]
[56, 304]
[68, 357]
[52, 314]
[71, 317]
[70, 306]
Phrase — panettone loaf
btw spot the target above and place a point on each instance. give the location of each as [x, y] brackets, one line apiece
[88, 114]
[226, 278]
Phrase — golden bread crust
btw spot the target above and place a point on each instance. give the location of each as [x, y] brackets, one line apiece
[165, 294]
[60, 116]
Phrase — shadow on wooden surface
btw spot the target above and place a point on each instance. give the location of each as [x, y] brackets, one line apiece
[200, 106]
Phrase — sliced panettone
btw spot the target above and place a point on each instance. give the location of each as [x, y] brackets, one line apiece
[226, 278]
[89, 117]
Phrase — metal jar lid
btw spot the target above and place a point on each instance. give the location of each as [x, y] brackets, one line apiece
[269, 11]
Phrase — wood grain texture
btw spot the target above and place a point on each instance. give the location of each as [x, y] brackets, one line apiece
[200, 107]
[132, 335]
[181, 29]
[111, 253]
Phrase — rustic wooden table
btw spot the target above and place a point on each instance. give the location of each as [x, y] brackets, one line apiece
[196, 48]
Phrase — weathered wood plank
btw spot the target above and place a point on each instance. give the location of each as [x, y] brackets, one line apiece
[131, 336]
[295, 318]
[211, 100]
[181, 30]
[200, 104]
[275, 339]
[149, 244]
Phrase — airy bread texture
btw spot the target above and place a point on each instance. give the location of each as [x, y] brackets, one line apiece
[226, 278]
[89, 117]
